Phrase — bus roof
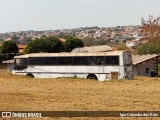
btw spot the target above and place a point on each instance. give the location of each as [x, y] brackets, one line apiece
[111, 53]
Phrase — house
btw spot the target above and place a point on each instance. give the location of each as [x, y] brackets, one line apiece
[132, 44]
[21, 48]
[146, 65]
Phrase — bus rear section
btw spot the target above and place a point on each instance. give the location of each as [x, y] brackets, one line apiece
[128, 65]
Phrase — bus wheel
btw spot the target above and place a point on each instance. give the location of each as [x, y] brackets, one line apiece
[30, 75]
[92, 76]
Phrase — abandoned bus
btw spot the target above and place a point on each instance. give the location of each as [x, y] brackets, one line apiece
[101, 65]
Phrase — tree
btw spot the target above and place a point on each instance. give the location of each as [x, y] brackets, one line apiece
[100, 42]
[0, 48]
[9, 47]
[88, 41]
[122, 46]
[55, 45]
[72, 42]
[149, 48]
[151, 29]
[44, 44]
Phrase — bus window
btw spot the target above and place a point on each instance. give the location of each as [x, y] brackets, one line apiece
[61, 61]
[50, 61]
[112, 60]
[100, 60]
[33, 61]
[21, 64]
[115, 60]
[80, 60]
[36, 61]
[92, 61]
[68, 61]
[108, 60]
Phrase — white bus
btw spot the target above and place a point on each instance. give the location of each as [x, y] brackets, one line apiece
[101, 65]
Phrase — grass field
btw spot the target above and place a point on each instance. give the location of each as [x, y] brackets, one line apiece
[19, 93]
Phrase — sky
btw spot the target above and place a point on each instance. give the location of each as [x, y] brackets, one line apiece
[21, 15]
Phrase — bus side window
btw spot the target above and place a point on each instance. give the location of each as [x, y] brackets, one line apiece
[50, 61]
[80, 60]
[61, 60]
[108, 60]
[92, 61]
[100, 60]
[112, 60]
[32, 61]
[115, 60]
[68, 61]
[24, 62]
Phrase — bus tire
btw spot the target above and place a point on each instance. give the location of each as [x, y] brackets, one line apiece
[92, 76]
[30, 75]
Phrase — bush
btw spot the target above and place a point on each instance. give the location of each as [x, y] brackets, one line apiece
[9, 47]
[149, 48]
[72, 43]
[44, 44]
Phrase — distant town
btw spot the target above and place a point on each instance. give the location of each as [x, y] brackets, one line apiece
[129, 35]
[110, 36]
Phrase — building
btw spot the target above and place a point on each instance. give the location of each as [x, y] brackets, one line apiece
[146, 65]
[21, 48]
[132, 44]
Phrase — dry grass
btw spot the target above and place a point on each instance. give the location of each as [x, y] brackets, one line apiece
[19, 93]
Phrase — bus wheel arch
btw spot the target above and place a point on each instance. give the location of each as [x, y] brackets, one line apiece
[92, 76]
[30, 75]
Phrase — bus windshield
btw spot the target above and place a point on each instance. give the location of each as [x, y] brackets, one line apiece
[21, 64]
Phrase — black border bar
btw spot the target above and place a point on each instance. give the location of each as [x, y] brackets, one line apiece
[80, 113]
